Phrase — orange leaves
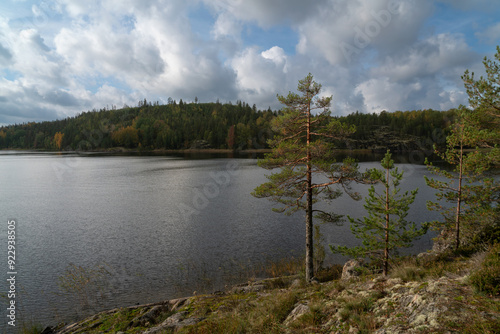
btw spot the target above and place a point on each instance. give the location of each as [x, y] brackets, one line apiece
[58, 137]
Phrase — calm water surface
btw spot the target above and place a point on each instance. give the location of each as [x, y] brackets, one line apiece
[163, 227]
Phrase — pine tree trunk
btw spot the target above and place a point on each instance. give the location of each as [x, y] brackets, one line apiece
[386, 250]
[309, 204]
[309, 232]
[459, 198]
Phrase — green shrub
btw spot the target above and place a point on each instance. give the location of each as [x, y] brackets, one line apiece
[329, 274]
[487, 278]
[489, 235]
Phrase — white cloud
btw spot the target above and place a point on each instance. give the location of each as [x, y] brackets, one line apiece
[159, 55]
[427, 75]
[490, 35]
[277, 55]
[383, 94]
[345, 30]
[369, 54]
[260, 75]
[431, 57]
[267, 13]
[226, 25]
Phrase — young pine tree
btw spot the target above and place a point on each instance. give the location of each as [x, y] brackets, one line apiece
[385, 229]
[301, 148]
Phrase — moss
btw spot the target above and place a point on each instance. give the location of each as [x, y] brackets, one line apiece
[118, 321]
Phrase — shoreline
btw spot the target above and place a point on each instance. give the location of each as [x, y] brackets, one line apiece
[171, 151]
[440, 298]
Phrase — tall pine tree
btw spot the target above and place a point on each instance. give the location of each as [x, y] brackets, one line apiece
[464, 186]
[302, 148]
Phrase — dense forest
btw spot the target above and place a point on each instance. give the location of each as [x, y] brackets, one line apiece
[179, 125]
[147, 126]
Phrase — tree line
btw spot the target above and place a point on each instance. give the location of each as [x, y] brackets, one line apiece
[148, 126]
[181, 125]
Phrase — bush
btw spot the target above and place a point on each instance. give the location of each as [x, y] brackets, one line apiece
[487, 278]
[329, 274]
[489, 235]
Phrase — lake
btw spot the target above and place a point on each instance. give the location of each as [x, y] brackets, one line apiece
[160, 226]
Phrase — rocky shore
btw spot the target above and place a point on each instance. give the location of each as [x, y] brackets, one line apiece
[425, 294]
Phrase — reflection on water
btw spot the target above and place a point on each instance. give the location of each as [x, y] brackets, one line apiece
[163, 226]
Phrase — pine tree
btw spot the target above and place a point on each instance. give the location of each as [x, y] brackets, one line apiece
[484, 99]
[301, 148]
[484, 93]
[386, 228]
[469, 192]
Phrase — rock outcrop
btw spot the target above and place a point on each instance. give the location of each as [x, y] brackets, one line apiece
[368, 304]
[351, 269]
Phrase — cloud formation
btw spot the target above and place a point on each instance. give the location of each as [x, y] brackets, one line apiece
[61, 57]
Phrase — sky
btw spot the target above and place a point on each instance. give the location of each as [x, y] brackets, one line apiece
[61, 57]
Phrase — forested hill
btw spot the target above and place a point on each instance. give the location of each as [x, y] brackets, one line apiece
[148, 126]
[212, 125]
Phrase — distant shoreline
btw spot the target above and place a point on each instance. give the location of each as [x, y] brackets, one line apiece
[135, 150]
[170, 151]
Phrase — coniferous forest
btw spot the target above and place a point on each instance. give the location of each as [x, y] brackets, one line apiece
[239, 126]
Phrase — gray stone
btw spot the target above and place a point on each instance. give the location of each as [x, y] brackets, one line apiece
[178, 303]
[174, 318]
[349, 270]
[394, 281]
[443, 242]
[174, 322]
[314, 280]
[149, 317]
[299, 310]
[353, 330]
[248, 288]
[296, 284]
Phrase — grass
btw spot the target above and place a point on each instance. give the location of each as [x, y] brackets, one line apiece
[433, 266]
[486, 279]
[407, 271]
[283, 267]
[358, 311]
[314, 318]
[250, 315]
